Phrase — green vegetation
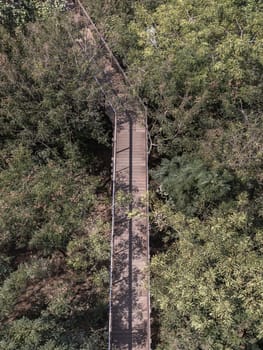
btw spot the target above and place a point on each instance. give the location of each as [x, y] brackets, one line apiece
[198, 65]
[203, 81]
[54, 206]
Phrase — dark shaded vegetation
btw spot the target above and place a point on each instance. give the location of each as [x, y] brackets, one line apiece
[198, 67]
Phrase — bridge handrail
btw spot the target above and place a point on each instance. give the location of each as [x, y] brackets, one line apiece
[113, 223]
[114, 166]
[112, 207]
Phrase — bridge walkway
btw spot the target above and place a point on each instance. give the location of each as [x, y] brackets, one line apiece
[129, 317]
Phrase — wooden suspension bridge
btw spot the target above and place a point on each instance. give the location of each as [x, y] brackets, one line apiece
[129, 311]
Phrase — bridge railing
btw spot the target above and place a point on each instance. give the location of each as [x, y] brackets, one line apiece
[113, 222]
[115, 62]
[114, 154]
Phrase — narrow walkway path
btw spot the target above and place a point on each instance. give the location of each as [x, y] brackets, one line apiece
[130, 304]
[129, 319]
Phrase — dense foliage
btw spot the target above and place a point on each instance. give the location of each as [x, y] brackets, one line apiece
[54, 206]
[198, 66]
[17, 13]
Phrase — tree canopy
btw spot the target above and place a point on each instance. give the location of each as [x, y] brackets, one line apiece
[198, 67]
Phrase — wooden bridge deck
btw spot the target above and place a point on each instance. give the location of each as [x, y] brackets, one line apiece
[130, 299]
[129, 319]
